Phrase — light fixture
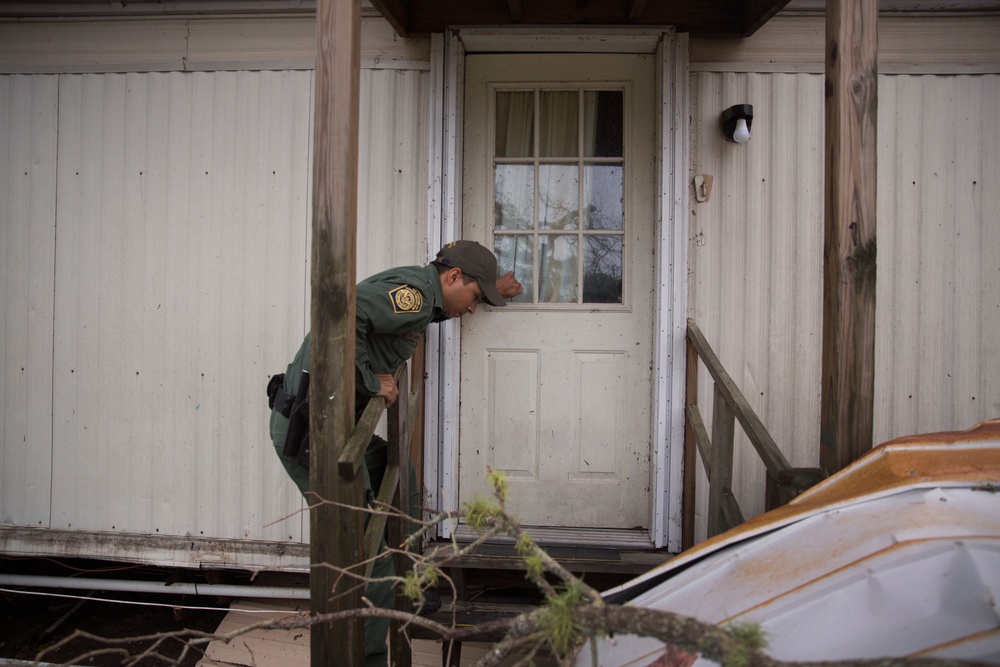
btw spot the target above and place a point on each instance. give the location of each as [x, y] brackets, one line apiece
[736, 121]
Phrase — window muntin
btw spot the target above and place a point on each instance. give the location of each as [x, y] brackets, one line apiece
[559, 193]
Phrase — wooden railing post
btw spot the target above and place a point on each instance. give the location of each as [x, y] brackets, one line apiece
[783, 481]
[783, 488]
[723, 430]
[690, 449]
[394, 491]
[399, 528]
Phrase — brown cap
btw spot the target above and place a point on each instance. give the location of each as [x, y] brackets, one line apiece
[476, 261]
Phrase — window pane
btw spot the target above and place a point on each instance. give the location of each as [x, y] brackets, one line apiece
[514, 196]
[516, 253]
[558, 196]
[602, 270]
[515, 124]
[602, 197]
[558, 123]
[602, 133]
[558, 261]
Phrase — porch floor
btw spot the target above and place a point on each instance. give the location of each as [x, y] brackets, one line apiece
[485, 586]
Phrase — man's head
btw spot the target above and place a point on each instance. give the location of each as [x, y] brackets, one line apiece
[468, 274]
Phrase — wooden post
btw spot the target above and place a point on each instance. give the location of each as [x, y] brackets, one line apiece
[690, 450]
[848, 373]
[336, 533]
[721, 481]
[399, 529]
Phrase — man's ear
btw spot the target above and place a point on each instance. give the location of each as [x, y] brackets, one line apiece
[452, 274]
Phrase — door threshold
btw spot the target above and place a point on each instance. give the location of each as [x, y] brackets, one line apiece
[632, 539]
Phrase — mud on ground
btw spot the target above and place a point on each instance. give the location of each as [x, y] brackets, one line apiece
[32, 623]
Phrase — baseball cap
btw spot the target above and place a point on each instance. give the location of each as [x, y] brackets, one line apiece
[477, 262]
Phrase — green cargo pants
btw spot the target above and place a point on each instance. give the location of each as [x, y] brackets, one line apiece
[381, 594]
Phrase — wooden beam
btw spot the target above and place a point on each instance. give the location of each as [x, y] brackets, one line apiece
[849, 248]
[758, 12]
[396, 13]
[690, 448]
[399, 433]
[713, 17]
[723, 431]
[635, 9]
[702, 441]
[516, 11]
[336, 531]
[761, 440]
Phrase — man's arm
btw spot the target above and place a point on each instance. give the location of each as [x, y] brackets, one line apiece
[379, 314]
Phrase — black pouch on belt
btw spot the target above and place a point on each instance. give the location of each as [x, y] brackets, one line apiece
[277, 398]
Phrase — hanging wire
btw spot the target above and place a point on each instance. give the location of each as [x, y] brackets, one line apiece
[153, 604]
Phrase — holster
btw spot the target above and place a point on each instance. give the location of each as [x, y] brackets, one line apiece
[298, 419]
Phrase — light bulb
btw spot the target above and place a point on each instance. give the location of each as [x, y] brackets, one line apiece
[741, 134]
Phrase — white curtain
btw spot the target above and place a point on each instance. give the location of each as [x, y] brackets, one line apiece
[558, 186]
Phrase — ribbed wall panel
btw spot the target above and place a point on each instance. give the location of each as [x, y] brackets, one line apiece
[153, 291]
[180, 274]
[182, 214]
[756, 254]
[392, 170]
[938, 291]
[27, 256]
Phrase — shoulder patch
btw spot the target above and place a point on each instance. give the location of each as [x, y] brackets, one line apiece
[406, 299]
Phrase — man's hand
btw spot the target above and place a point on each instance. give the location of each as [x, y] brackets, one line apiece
[508, 286]
[389, 390]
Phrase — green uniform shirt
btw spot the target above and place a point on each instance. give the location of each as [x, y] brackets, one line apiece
[393, 308]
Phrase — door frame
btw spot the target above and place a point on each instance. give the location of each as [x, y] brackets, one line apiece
[447, 91]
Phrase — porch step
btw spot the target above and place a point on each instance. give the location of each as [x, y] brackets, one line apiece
[428, 646]
[576, 559]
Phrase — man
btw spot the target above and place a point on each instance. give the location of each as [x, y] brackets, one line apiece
[394, 308]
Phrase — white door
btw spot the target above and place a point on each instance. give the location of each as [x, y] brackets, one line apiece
[556, 387]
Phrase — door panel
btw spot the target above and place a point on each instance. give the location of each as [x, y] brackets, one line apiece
[556, 387]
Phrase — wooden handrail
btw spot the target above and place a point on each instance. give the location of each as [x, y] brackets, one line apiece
[762, 441]
[394, 478]
[716, 452]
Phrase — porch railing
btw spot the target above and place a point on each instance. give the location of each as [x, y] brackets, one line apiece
[783, 482]
[404, 415]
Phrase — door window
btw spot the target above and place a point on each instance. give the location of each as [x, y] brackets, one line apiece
[559, 218]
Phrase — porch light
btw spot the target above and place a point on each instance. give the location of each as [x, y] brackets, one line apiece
[736, 121]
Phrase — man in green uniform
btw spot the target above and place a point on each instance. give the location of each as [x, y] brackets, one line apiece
[394, 308]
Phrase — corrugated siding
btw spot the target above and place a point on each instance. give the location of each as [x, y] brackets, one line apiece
[177, 253]
[27, 253]
[755, 282]
[179, 280]
[938, 299]
[392, 169]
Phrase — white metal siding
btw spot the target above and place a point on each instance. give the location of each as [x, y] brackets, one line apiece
[27, 244]
[392, 169]
[938, 292]
[176, 247]
[756, 253]
[205, 43]
[179, 280]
